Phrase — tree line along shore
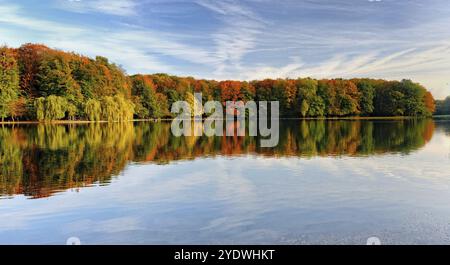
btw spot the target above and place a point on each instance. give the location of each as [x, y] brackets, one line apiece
[38, 83]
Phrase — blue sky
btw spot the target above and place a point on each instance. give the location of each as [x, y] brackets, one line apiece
[248, 39]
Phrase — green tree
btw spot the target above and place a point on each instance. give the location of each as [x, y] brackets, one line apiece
[117, 108]
[109, 109]
[93, 110]
[9, 81]
[413, 101]
[125, 108]
[304, 107]
[146, 100]
[51, 108]
[39, 106]
[307, 96]
[55, 108]
[367, 91]
[316, 107]
[72, 111]
[54, 77]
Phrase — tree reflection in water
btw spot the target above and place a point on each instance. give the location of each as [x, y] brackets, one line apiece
[39, 160]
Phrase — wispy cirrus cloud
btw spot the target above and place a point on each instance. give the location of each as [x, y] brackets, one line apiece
[429, 66]
[248, 39]
[10, 15]
[89, 41]
[238, 34]
[111, 7]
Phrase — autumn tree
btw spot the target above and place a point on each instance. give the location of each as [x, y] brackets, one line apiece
[230, 91]
[430, 103]
[30, 56]
[148, 102]
[18, 108]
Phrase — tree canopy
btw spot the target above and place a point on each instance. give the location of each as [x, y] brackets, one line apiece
[39, 83]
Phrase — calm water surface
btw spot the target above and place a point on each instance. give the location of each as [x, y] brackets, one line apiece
[327, 182]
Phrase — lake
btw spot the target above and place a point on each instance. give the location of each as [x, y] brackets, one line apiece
[326, 182]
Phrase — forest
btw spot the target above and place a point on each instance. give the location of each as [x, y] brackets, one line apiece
[38, 83]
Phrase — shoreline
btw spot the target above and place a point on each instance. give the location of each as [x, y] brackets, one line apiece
[167, 119]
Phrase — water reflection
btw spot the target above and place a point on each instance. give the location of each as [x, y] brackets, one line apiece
[39, 160]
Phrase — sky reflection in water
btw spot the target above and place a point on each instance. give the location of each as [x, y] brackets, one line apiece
[326, 183]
